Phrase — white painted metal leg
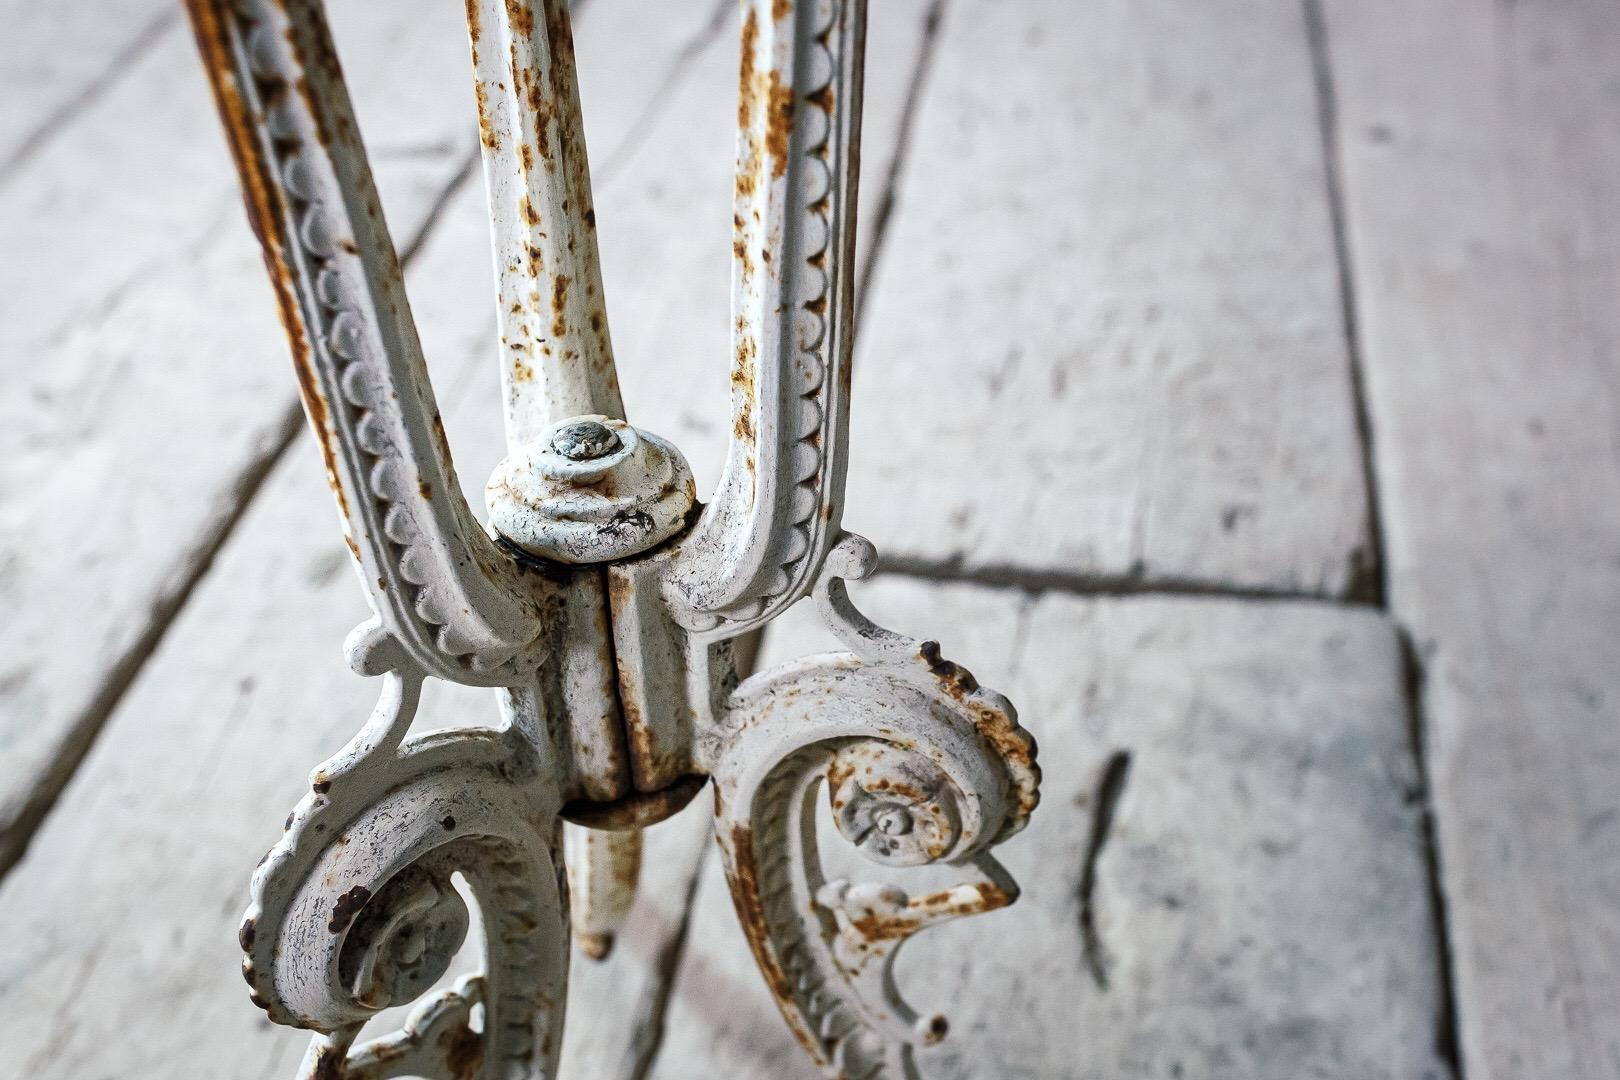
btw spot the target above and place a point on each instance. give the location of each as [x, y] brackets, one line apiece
[605, 603]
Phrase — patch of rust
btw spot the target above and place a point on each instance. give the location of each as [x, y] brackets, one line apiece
[347, 907]
[462, 1051]
[559, 305]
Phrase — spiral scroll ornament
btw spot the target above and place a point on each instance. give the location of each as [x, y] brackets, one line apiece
[921, 766]
[357, 908]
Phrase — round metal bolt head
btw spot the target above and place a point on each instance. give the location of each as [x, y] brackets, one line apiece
[585, 440]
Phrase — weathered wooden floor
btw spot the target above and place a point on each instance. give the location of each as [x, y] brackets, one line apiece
[1238, 389]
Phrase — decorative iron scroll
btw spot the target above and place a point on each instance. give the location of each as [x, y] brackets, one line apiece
[603, 603]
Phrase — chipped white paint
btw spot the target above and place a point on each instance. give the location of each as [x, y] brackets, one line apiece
[603, 611]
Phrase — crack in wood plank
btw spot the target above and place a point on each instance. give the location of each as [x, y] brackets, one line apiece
[61, 117]
[1448, 1037]
[678, 71]
[1369, 577]
[878, 230]
[1137, 583]
[652, 1009]
[1111, 783]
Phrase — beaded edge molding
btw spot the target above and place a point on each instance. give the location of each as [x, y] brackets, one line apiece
[440, 592]
[760, 542]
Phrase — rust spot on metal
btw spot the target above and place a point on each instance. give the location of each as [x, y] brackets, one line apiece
[246, 934]
[886, 786]
[522, 372]
[957, 680]
[329, 1064]
[747, 95]
[347, 907]
[462, 1050]
[750, 904]
[879, 926]
[595, 946]
[473, 28]
[1013, 744]
[322, 786]
[559, 305]
[424, 489]
[530, 214]
[267, 210]
[742, 875]
[837, 773]
[486, 127]
[635, 811]
[520, 17]
[440, 439]
[822, 99]
[781, 9]
[778, 123]
[742, 385]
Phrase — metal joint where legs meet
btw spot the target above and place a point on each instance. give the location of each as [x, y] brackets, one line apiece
[603, 603]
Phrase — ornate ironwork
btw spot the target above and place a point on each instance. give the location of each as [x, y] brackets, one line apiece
[603, 604]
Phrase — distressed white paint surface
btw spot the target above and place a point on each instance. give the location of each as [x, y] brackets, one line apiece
[1104, 339]
[1260, 901]
[1482, 179]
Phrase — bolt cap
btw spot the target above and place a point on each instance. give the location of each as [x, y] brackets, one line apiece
[584, 440]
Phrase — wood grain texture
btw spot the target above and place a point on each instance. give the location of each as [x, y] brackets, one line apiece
[148, 386]
[1481, 154]
[55, 59]
[1104, 343]
[1253, 907]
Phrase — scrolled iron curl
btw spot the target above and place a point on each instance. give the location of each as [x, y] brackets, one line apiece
[356, 910]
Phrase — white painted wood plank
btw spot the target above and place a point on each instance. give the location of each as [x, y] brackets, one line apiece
[128, 912]
[1105, 340]
[55, 58]
[617, 1008]
[1260, 900]
[146, 372]
[1481, 149]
